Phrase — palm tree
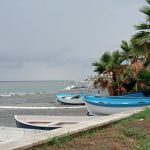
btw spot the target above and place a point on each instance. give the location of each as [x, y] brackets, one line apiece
[108, 65]
[118, 77]
[136, 72]
[108, 62]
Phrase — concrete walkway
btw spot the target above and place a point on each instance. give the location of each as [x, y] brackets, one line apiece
[8, 134]
[13, 138]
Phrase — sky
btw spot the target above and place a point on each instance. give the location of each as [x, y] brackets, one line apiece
[59, 39]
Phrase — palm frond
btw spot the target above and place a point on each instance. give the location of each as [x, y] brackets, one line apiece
[148, 1]
[142, 26]
[145, 10]
[144, 76]
[99, 69]
[95, 63]
[117, 59]
[137, 50]
[143, 40]
[141, 37]
[125, 46]
[116, 54]
[106, 58]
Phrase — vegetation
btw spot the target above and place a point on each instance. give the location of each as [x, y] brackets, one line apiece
[127, 69]
[132, 133]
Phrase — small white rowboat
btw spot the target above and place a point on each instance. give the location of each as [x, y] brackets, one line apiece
[48, 122]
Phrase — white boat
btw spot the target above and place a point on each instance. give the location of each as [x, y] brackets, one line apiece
[115, 104]
[71, 99]
[48, 122]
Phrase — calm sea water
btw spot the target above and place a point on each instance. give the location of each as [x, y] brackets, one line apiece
[30, 87]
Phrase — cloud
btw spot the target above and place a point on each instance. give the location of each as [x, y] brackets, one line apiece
[11, 65]
[60, 39]
[40, 71]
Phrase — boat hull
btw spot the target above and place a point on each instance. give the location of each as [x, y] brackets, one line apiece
[111, 105]
[100, 110]
[27, 126]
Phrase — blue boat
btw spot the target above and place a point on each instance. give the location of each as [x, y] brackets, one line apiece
[70, 99]
[113, 104]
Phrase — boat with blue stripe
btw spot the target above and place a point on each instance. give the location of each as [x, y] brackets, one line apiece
[70, 99]
[97, 105]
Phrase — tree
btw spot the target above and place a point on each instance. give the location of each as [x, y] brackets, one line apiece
[108, 65]
[128, 69]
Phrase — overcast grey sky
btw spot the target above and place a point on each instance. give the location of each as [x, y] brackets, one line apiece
[59, 39]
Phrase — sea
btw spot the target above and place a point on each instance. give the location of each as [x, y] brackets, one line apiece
[11, 88]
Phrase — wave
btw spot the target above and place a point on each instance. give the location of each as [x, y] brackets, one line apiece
[25, 88]
[6, 95]
[25, 93]
[18, 94]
